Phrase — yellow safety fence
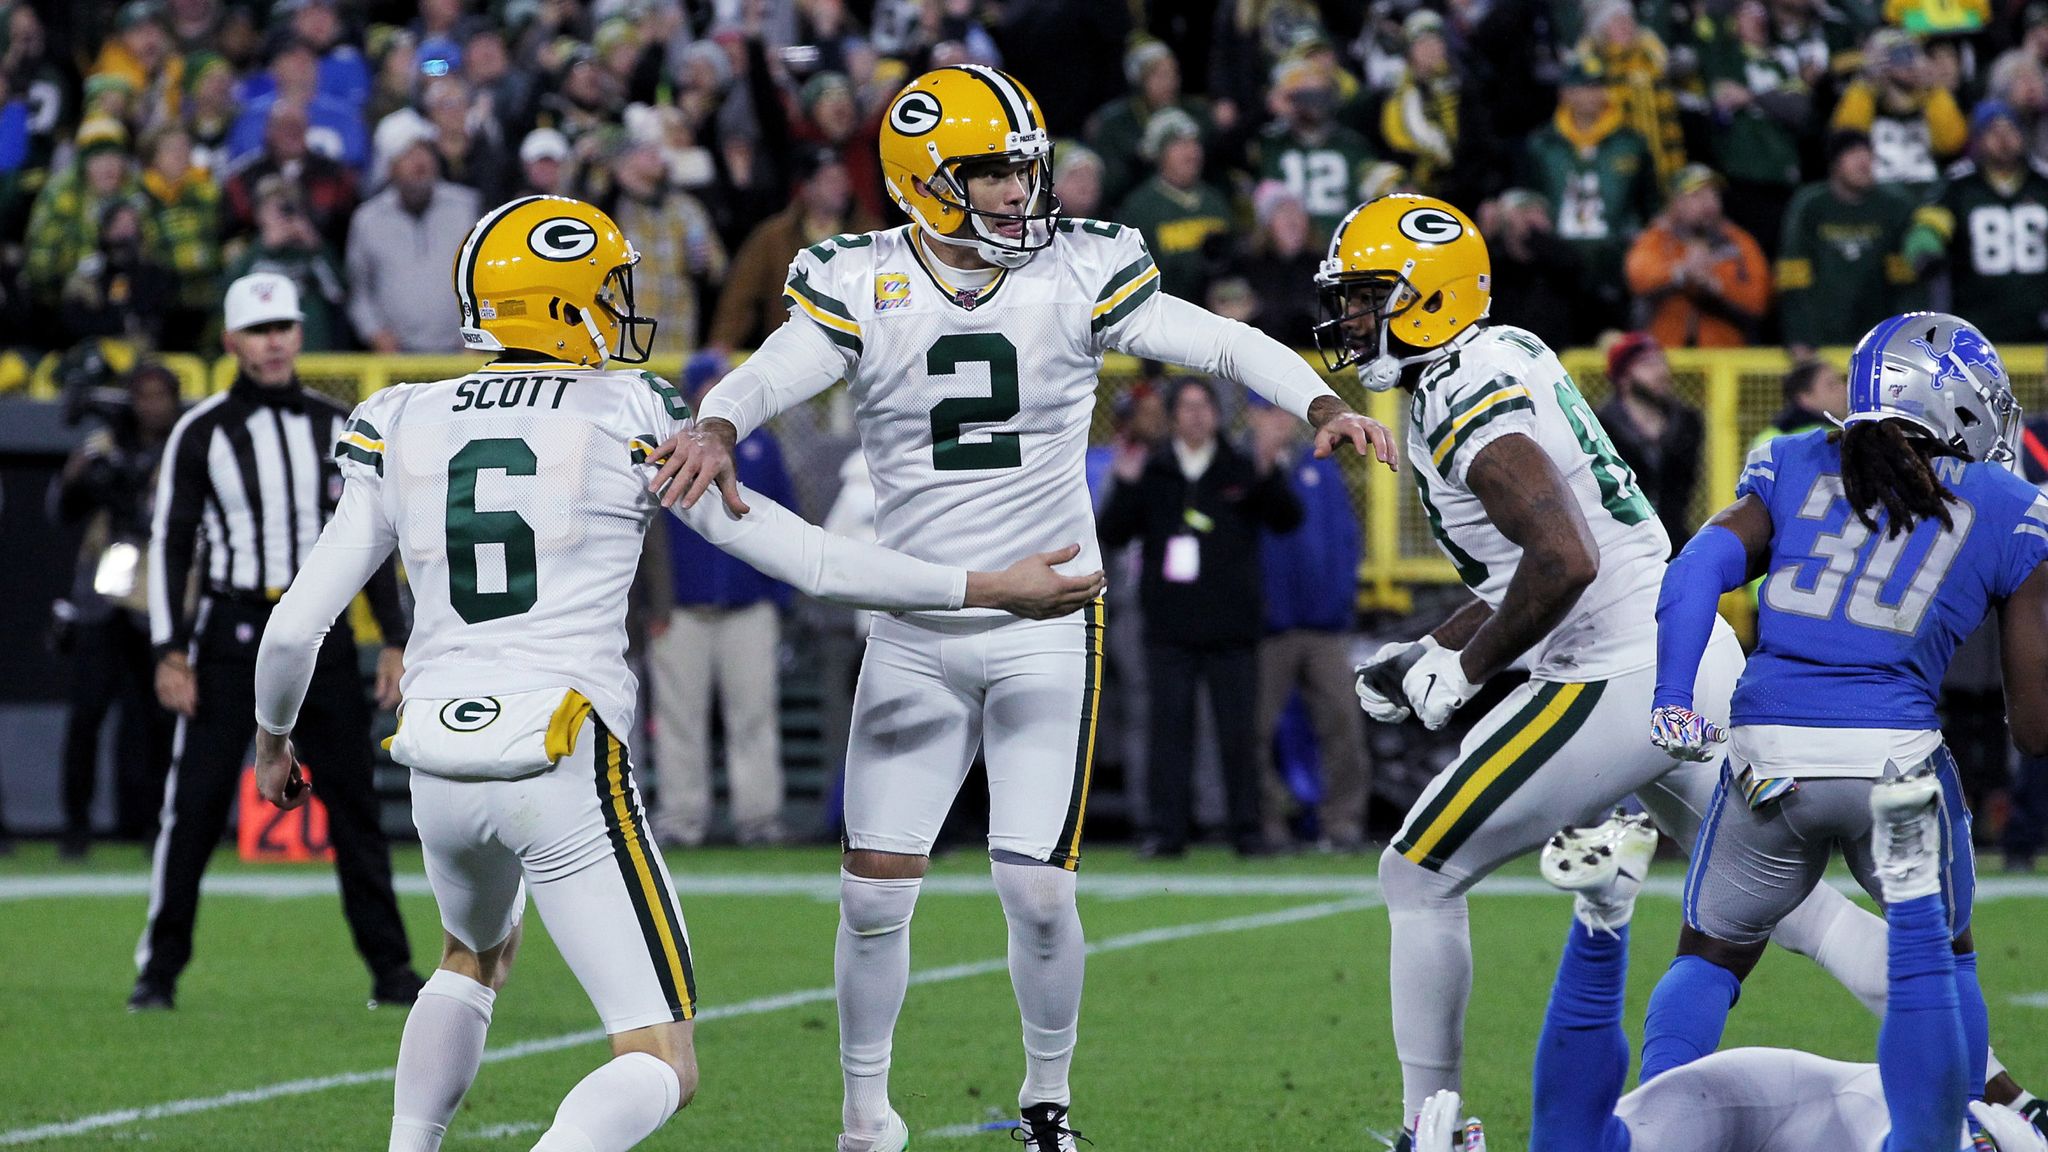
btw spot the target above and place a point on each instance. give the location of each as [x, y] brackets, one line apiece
[1736, 391]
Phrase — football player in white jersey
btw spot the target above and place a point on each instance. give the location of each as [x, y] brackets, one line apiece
[517, 496]
[1564, 557]
[970, 341]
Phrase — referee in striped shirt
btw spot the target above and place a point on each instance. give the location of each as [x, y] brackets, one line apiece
[247, 482]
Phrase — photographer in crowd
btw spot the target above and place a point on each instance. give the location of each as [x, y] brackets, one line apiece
[106, 485]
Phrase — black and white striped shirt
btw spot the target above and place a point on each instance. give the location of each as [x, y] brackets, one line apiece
[248, 481]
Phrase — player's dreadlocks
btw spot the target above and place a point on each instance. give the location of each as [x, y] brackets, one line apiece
[1889, 463]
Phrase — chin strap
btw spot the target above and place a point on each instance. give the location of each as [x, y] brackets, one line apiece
[1383, 371]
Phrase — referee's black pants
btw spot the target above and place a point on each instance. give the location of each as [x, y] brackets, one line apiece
[332, 739]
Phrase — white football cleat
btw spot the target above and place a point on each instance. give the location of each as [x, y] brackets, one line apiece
[894, 1138]
[1442, 1127]
[1605, 865]
[1905, 834]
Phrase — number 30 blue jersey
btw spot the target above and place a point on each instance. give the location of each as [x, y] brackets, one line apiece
[1855, 630]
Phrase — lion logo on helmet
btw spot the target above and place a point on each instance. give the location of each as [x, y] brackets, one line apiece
[1967, 349]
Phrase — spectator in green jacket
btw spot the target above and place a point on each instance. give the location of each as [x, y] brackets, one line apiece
[185, 203]
[288, 244]
[64, 225]
[1840, 266]
[1117, 129]
[1182, 218]
[1762, 109]
[1599, 174]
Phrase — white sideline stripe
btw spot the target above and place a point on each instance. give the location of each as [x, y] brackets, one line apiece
[502, 1131]
[826, 887]
[126, 1116]
[2030, 1000]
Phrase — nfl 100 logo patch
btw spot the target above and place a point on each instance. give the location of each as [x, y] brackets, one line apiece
[892, 290]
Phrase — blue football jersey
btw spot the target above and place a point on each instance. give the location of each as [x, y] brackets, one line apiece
[1855, 629]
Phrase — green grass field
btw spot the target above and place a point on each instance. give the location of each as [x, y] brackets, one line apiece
[1229, 1006]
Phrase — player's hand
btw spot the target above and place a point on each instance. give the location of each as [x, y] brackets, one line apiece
[177, 689]
[1031, 588]
[2007, 1128]
[278, 779]
[390, 670]
[693, 460]
[1439, 1127]
[1436, 686]
[1685, 734]
[1378, 680]
[1367, 436]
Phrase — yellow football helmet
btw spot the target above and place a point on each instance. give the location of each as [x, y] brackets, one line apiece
[1413, 265]
[551, 275]
[950, 118]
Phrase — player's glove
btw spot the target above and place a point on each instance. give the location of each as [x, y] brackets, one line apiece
[1436, 686]
[1439, 1128]
[1378, 680]
[2008, 1130]
[1684, 733]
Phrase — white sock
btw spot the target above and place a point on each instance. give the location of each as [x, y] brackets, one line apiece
[1847, 941]
[1429, 971]
[1047, 957]
[871, 973]
[615, 1107]
[438, 1057]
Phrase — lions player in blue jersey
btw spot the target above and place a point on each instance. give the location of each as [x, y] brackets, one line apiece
[1882, 545]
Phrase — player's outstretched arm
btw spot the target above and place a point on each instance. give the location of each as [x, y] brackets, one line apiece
[352, 546]
[1169, 328]
[2023, 631]
[1720, 558]
[795, 363]
[857, 574]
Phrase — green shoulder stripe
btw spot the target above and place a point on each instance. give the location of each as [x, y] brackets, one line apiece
[643, 447]
[1480, 396]
[346, 451]
[1124, 275]
[1130, 304]
[837, 335]
[1444, 456]
[801, 284]
[671, 399]
[365, 427]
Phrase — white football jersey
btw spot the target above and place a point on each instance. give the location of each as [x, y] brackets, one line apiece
[1502, 381]
[520, 505]
[974, 412]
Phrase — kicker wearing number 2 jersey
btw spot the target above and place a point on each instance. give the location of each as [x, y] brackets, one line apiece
[970, 342]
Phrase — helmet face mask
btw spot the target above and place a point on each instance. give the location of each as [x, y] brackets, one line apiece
[1357, 310]
[1006, 238]
[633, 334]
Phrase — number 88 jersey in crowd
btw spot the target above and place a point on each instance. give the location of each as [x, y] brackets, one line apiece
[1503, 380]
[974, 405]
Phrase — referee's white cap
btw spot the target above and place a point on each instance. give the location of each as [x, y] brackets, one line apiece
[262, 298]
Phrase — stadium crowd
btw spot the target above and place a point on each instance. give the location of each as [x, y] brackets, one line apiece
[1692, 169]
[1696, 173]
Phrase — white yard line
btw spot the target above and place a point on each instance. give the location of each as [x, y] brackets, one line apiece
[124, 1117]
[1121, 886]
[2030, 1000]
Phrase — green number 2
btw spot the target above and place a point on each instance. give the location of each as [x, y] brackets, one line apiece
[1619, 493]
[1002, 450]
[469, 530]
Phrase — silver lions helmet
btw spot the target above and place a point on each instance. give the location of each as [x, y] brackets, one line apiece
[1938, 373]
